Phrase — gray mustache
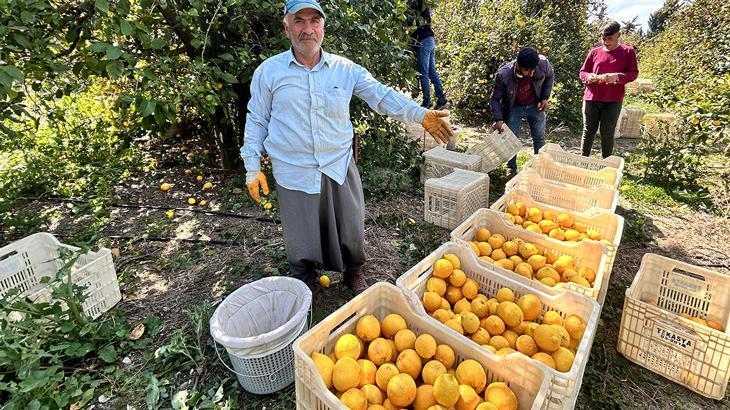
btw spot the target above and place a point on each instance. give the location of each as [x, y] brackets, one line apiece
[307, 37]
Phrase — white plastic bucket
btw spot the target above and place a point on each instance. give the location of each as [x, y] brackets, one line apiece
[257, 324]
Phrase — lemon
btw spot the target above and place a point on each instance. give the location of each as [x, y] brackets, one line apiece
[324, 280]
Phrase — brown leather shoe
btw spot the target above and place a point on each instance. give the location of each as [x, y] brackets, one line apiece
[356, 282]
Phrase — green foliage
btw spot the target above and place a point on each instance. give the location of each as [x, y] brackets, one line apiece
[53, 356]
[476, 38]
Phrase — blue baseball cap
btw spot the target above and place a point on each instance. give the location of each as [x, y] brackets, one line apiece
[293, 6]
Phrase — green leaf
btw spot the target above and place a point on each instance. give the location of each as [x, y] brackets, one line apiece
[126, 27]
[157, 43]
[226, 56]
[115, 68]
[27, 17]
[153, 394]
[14, 73]
[113, 52]
[193, 12]
[108, 354]
[147, 108]
[22, 41]
[230, 78]
[102, 5]
[99, 47]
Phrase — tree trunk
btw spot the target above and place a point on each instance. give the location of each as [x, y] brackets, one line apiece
[226, 140]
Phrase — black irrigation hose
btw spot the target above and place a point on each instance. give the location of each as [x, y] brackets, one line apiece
[134, 206]
[161, 239]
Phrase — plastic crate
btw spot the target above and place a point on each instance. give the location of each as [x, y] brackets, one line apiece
[564, 387]
[559, 155]
[440, 162]
[449, 200]
[610, 226]
[656, 337]
[594, 255]
[585, 201]
[552, 170]
[496, 149]
[527, 379]
[426, 141]
[655, 124]
[630, 122]
[25, 262]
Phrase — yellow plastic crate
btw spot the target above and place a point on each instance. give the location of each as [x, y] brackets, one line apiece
[655, 336]
[585, 201]
[527, 379]
[564, 387]
[594, 255]
[552, 170]
[449, 200]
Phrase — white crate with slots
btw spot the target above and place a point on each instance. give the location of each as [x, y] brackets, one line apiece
[552, 170]
[440, 162]
[629, 123]
[655, 335]
[558, 154]
[528, 380]
[610, 226]
[564, 386]
[585, 201]
[496, 149]
[451, 199]
[25, 262]
[594, 255]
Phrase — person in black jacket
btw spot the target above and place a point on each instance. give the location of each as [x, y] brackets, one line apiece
[522, 88]
[425, 49]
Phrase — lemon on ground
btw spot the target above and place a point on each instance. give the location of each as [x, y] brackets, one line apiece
[367, 372]
[203, 203]
[191, 201]
[442, 268]
[354, 399]
[499, 394]
[391, 324]
[545, 359]
[208, 185]
[346, 374]
[563, 359]
[385, 372]
[471, 373]
[446, 390]
[401, 390]
[445, 354]
[324, 365]
[455, 262]
[530, 305]
[165, 186]
[526, 345]
[199, 178]
[505, 294]
[432, 370]
[424, 398]
[437, 285]
[379, 351]
[406, 339]
[188, 171]
[483, 235]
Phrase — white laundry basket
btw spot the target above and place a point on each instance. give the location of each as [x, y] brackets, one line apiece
[257, 325]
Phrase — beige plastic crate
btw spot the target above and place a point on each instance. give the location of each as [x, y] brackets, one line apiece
[655, 124]
[585, 201]
[24, 263]
[564, 387]
[496, 149]
[609, 225]
[568, 174]
[594, 255]
[630, 122]
[440, 162]
[449, 200]
[559, 155]
[656, 337]
[527, 379]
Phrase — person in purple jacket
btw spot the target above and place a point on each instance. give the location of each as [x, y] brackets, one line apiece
[521, 89]
[605, 72]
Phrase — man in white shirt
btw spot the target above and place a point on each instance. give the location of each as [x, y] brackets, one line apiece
[299, 116]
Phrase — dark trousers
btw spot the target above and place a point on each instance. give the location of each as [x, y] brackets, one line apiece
[324, 230]
[599, 114]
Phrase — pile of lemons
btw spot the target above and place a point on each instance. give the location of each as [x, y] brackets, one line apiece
[503, 324]
[386, 365]
[530, 260]
[561, 226]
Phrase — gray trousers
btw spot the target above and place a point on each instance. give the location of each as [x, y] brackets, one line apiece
[605, 115]
[324, 230]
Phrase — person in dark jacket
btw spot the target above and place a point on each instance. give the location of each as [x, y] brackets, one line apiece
[521, 89]
[425, 49]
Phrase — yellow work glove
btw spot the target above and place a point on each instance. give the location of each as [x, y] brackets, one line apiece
[256, 180]
[435, 123]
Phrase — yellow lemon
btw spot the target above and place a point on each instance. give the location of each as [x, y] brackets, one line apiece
[424, 398]
[501, 396]
[446, 390]
[524, 269]
[431, 301]
[445, 354]
[510, 313]
[563, 359]
[484, 249]
[379, 351]
[425, 346]
[391, 324]
[385, 372]
[401, 390]
[354, 399]
[471, 373]
[469, 322]
[348, 345]
[442, 268]
[457, 278]
[494, 325]
[552, 318]
[575, 326]
[526, 345]
[199, 178]
[505, 294]
[368, 327]
[346, 374]
[373, 395]
[191, 201]
[565, 220]
[406, 339]
[367, 372]
[530, 305]
[455, 262]
[496, 241]
[545, 359]
[483, 235]
[207, 185]
[468, 398]
[432, 370]
[437, 285]
[165, 186]
[325, 366]
[470, 289]
[547, 338]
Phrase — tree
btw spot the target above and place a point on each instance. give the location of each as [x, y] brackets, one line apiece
[631, 27]
[658, 19]
[172, 61]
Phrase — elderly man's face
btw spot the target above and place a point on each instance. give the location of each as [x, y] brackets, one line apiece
[305, 29]
[610, 40]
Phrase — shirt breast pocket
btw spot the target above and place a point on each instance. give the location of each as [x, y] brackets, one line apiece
[338, 103]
